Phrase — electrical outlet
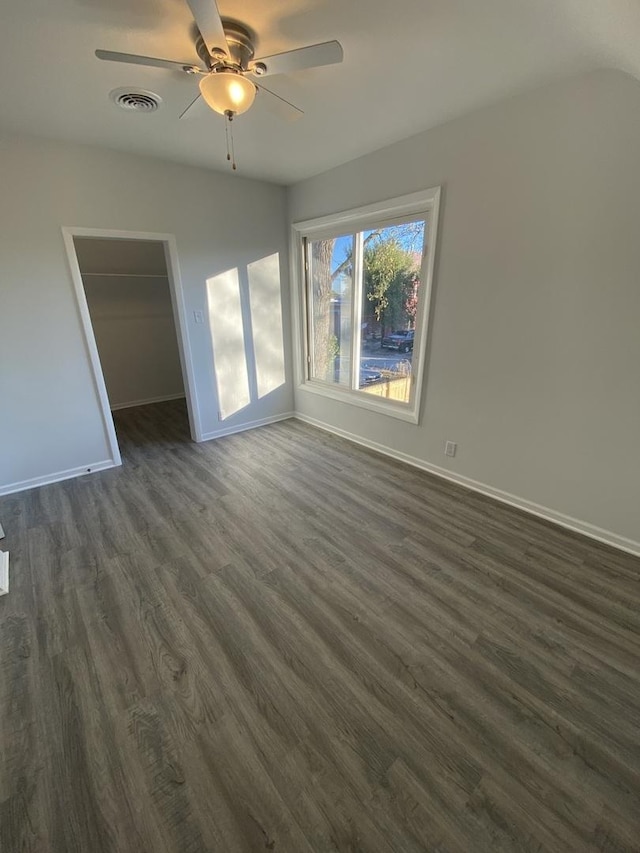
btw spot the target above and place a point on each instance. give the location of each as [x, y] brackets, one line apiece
[450, 448]
[198, 316]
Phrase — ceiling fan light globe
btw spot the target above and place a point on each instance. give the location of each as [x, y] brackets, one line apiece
[227, 92]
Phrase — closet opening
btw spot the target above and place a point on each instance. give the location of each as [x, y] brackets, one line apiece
[130, 302]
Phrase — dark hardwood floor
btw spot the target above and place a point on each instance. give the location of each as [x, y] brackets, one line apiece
[281, 641]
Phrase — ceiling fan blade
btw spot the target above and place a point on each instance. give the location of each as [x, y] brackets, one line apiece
[207, 17]
[325, 53]
[134, 59]
[196, 108]
[281, 107]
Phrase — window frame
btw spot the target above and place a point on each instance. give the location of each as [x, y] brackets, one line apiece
[426, 204]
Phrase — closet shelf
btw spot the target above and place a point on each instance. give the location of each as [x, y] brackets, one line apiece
[127, 274]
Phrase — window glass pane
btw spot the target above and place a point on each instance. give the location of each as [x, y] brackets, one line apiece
[391, 263]
[330, 290]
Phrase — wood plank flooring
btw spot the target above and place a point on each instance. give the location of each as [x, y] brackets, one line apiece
[281, 641]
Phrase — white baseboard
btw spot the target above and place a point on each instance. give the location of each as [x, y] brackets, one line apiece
[4, 572]
[207, 436]
[132, 403]
[33, 483]
[590, 530]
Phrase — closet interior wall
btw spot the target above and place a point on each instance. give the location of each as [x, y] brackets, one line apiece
[129, 300]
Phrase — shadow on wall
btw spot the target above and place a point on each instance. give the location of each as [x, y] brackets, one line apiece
[246, 334]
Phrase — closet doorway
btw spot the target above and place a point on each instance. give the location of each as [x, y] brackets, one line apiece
[130, 301]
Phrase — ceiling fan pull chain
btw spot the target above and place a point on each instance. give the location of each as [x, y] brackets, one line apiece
[226, 133]
[231, 154]
[233, 150]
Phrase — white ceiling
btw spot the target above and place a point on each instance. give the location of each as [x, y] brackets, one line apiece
[409, 65]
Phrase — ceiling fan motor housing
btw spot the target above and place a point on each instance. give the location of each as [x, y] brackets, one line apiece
[239, 43]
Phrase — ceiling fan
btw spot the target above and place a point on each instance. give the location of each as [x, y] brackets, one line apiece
[226, 50]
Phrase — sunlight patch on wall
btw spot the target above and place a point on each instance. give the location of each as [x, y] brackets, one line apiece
[227, 337]
[266, 320]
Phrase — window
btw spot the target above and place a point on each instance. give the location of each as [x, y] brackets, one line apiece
[367, 281]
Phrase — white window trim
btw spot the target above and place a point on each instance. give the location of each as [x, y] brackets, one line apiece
[425, 202]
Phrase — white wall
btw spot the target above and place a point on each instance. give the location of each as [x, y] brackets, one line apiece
[535, 345]
[127, 291]
[51, 421]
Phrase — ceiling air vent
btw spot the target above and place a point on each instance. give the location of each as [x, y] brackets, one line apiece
[136, 100]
